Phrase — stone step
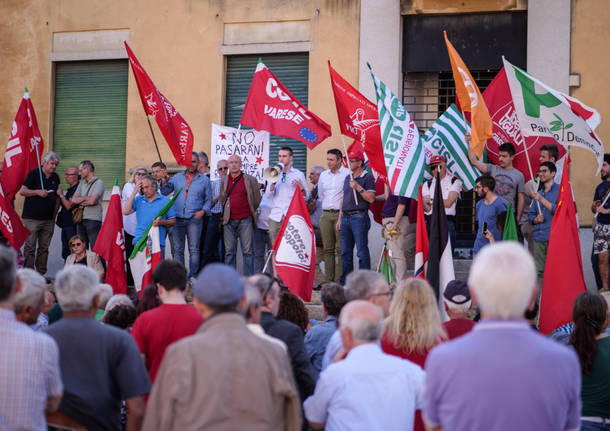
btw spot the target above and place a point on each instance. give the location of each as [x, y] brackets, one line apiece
[315, 311]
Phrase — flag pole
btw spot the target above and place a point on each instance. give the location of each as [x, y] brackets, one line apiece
[154, 139]
[350, 171]
[37, 154]
[269, 254]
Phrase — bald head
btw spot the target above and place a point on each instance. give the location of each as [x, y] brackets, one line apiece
[363, 320]
[234, 164]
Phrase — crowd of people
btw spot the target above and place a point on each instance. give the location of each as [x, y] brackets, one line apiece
[241, 356]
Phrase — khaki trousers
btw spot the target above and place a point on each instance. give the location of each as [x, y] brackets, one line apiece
[403, 248]
[332, 245]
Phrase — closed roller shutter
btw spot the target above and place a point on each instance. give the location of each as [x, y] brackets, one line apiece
[291, 69]
[91, 116]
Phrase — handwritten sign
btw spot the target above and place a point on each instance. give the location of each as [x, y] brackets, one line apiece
[252, 146]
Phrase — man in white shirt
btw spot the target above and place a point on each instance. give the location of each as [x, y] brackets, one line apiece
[450, 188]
[368, 389]
[330, 193]
[283, 190]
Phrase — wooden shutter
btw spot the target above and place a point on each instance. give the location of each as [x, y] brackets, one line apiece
[91, 116]
[291, 69]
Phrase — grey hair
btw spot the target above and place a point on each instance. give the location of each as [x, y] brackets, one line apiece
[363, 319]
[362, 284]
[501, 291]
[50, 156]
[150, 180]
[8, 272]
[132, 179]
[76, 286]
[119, 299]
[33, 286]
[104, 295]
[253, 297]
[203, 157]
[317, 169]
[458, 308]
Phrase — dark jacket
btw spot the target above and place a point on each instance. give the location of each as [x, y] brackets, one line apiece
[252, 192]
[292, 335]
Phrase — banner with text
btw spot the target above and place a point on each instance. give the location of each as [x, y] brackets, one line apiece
[252, 146]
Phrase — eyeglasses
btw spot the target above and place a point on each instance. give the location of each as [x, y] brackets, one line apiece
[72, 175]
[223, 169]
[140, 173]
[283, 177]
[76, 244]
[389, 293]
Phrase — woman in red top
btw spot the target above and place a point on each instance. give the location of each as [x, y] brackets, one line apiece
[413, 327]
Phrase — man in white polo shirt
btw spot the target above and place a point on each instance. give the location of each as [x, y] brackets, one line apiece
[283, 190]
[450, 187]
[330, 192]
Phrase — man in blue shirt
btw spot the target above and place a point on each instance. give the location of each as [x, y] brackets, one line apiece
[193, 203]
[487, 211]
[541, 215]
[147, 202]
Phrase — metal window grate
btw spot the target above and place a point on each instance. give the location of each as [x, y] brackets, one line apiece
[426, 95]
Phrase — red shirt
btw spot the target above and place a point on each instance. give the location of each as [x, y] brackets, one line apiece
[458, 327]
[154, 330]
[387, 345]
[240, 209]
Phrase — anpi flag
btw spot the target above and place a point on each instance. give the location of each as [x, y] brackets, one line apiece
[271, 107]
[506, 129]
[440, 258]
[543, 111]
[404, 155]
[359, 119]
[446, 138]
[111, 245]
[174, 128]
[421, 240]
[563, 276]
[295, 249]
[21, 152]
[145, 260]
[471, 100]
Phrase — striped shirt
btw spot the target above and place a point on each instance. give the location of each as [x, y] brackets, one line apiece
[217, 207]
[29, 374]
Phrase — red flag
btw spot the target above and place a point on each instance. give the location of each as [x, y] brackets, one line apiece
[111, 244]
[271, 107]
[295, 249]
[10, 224]
[174, 128]
[359, 119]
[506, 128]
[20, 156]
[421, 240]
[563, 275]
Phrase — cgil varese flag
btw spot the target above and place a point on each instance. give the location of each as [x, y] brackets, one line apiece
[271, 107]
[471, 100]
[111, 243]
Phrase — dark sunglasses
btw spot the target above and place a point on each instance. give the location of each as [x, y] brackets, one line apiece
[223, 169]
[76, 244]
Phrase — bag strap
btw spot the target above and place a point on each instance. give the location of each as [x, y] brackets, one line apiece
[230, 191]
[91, 185]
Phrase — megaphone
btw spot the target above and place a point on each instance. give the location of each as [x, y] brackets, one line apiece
[272, 173]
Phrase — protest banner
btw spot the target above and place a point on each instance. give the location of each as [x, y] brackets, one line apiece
[252, 146]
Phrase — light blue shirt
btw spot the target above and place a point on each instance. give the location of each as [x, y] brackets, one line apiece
[316, 341]
[368, 390]
[198, 194]
[332, 348]
[543, 230]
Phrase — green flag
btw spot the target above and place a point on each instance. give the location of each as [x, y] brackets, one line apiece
[142, 242]
[510, 227]
[385, 266]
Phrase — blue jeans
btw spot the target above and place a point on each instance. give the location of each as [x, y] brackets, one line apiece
[244, 230]
[594, 426]
[262, 243]
[355, 230]
[191, 228]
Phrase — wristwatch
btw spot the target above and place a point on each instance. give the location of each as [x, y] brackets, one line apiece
[361, 190]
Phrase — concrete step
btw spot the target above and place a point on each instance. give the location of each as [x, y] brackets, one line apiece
[315, 311]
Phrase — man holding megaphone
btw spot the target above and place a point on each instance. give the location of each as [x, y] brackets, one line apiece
[283, 180]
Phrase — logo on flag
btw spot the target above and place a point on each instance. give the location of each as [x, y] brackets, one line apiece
[294, 249]
[403, 153]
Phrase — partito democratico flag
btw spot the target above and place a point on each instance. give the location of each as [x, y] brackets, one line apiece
[174, 128]
[295, 249]
[404, 155]
[111, 244]
[543, 111]
[20, 156]
[271, 107]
